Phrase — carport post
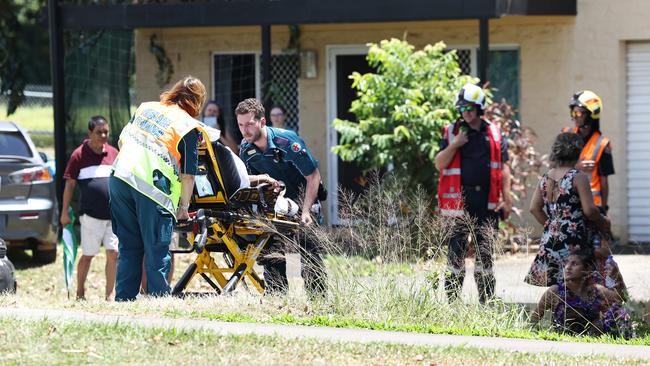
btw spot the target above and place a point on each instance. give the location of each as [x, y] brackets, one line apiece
[266, 66]
[58, 92]
[484, 49]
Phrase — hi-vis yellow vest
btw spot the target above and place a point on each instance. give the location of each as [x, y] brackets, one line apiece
[149, 147]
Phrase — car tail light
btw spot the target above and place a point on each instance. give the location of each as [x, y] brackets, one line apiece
[29, 175]
[29, 216]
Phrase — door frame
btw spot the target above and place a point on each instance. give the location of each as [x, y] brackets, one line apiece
[332, 139]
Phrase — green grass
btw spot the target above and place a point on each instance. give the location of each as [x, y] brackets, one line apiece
[342, 322]
[53, 342]
[36, 118]
[364, 267]
[365, 305]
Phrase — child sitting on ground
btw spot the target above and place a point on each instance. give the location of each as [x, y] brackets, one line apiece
[580, 306]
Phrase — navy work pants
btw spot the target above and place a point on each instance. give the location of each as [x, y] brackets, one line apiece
[311, 261]
[476, 207]
[144, 230]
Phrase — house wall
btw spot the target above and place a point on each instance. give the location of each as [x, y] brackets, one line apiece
[558, 55]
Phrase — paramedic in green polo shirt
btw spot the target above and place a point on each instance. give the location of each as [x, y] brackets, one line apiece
[284, 156]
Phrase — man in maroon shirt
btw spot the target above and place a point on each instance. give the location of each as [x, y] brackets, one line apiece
[90, 166]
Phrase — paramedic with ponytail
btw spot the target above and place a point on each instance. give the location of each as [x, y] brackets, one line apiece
[474, 180]
[152, 184]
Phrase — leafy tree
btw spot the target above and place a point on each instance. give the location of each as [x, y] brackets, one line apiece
[24, 51]
[401, 110]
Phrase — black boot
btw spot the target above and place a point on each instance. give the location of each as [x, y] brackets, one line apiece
[485, 283]
[453, 284]
[275, 276]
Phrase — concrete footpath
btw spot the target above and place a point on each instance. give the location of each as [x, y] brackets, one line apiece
[339, 334]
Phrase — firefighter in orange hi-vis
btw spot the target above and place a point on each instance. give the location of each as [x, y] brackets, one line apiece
[596, 156]
[474, 187]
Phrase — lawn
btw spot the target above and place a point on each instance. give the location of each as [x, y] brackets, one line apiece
[33, 118]
[52, 342]
[380, 300]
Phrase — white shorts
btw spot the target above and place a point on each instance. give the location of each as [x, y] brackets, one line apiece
[93, 233]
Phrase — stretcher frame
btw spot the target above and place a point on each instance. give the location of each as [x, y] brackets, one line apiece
[220, 223]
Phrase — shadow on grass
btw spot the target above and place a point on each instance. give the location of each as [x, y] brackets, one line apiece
[22, 260]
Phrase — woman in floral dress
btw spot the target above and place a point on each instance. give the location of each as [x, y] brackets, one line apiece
[562, 203]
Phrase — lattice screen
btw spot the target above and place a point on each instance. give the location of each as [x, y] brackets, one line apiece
[285, 71]
[465, 60]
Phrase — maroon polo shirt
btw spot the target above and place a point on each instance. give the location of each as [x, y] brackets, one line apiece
[91, 171]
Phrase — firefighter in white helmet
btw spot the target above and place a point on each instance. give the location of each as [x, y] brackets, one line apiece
[474, 180]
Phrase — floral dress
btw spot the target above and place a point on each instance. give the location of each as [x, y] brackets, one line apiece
[590, 315]
[565, 229]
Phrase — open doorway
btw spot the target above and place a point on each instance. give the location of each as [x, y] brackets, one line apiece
[343, 60]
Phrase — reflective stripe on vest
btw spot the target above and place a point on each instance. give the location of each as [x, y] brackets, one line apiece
[594, 155]
[143, 187]
[451, 213]
[149, 146]
[454, 171]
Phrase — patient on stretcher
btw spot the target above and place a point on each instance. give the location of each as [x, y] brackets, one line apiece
[235, 176]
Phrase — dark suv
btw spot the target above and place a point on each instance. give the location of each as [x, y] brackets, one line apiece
[28, 208]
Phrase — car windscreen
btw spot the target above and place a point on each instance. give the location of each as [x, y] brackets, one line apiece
[13, 143]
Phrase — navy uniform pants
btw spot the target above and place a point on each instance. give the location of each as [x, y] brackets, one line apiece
[311, 261]
[144, 230]
[476, 208]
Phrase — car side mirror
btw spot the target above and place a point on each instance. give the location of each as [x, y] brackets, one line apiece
[43, 156]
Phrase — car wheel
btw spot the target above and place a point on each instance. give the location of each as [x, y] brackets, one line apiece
[44, 256]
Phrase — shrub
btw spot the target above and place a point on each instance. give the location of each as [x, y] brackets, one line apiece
[401, 110]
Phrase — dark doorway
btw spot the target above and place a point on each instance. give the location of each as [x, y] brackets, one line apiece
[350, 178]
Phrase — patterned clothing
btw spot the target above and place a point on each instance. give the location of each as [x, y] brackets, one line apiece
[574, 314]
[591, 315]
[564, 229]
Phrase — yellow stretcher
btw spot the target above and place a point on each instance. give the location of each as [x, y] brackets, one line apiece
[237, 222]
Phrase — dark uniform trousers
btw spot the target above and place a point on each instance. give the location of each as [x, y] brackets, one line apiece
[311, 262]
[476, 198]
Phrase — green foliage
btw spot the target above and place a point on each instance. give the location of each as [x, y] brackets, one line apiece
[401, 110]
[24, 56]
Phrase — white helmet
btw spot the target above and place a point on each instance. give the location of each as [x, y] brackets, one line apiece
[471, 94]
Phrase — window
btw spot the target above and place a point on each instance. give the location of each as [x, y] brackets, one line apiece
[503, 70]
[234, 81]
[237, 77]
[14, 144]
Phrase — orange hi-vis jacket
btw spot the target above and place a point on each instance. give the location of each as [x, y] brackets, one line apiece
[593, 150]
[450, 197]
